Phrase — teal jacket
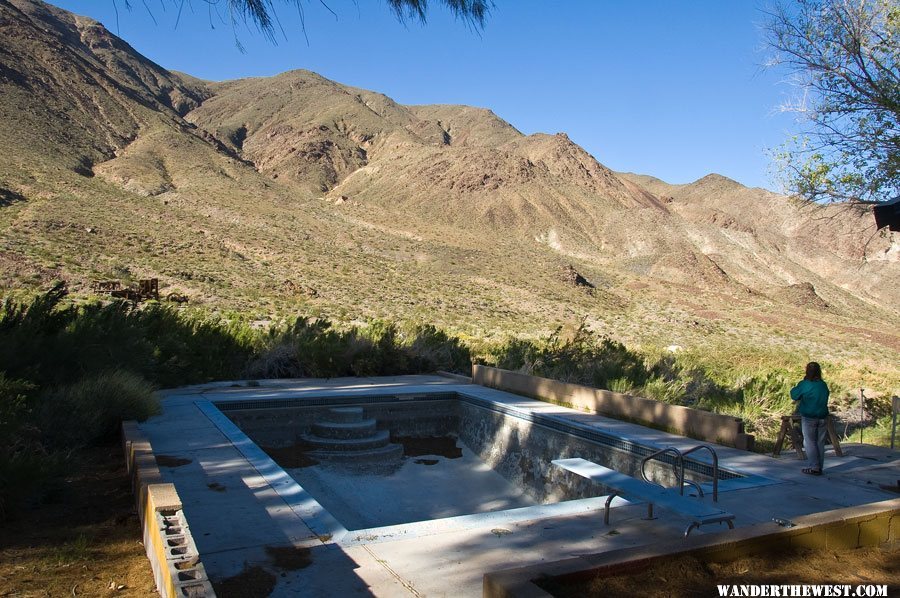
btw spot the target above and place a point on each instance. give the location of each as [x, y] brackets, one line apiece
[811, 397]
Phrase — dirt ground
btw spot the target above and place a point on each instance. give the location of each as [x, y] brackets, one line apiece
[688, 577]
[84, 540]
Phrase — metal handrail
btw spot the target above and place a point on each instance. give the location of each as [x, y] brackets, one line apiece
[680, 476]
[698, 487]
[678, 468]
[679, 462]
[715, 460]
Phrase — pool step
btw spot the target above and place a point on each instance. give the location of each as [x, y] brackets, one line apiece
[356, 429]
[345, 414]
[384, 454]
[379, 439]
[346, 437]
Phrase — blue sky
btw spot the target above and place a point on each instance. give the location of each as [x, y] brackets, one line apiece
[671, 89]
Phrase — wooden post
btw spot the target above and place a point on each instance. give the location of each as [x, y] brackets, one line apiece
[829, 425]
[779, 441]
[787, 431]
[895, 411]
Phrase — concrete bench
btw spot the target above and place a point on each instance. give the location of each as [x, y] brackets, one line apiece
[628, 487]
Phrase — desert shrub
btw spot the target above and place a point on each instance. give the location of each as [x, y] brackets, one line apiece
[758, 393]
[320, 350]
[53, 344]
[91, 410]
[276, 359]
[314, 347]
[24, 463]
[879, 433]
[584, 357]
[514, 354]
[25, 469]
[72, 373]
[96, 338]
[15, 408]
[27, 331]
[665, 391]
[195, 346]
[431, 349]
[375, 350]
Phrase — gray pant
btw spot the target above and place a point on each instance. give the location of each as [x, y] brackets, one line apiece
[814, 440]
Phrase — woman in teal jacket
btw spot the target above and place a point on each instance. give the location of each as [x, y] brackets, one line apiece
[811, 398]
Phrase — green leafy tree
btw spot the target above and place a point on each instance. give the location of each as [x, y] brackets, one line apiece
[844, 56]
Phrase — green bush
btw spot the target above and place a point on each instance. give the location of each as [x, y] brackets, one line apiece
[50, 343]
[25, 469]
[315, 348]
[665, 391]
[91, 410]
[432, 349]
[15, 408]
[24, 463]
[375, 350]
[583, 358]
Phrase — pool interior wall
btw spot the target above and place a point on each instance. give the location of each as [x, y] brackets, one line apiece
[513, 443]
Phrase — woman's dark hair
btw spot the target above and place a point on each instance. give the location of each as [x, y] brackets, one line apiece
[813, 371]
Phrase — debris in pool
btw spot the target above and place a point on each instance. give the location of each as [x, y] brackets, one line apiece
[426, 461]
[418, 446]
[367, 537]
[500, 531]
[216, 486]
[170, 461]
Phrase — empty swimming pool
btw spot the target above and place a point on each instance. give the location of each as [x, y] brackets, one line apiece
[425, 456]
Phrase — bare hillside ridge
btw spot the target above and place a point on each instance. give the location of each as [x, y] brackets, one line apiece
[298, 193]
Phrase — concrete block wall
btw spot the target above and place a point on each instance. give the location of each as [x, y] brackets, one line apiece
[170, 547]
[872, 525]
[702, 425]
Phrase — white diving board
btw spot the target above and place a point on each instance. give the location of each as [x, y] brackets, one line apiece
[632, 488]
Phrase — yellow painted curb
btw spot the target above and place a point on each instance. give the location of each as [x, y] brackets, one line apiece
[170, 547]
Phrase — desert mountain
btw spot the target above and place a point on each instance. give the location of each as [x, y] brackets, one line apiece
[90, 92]
[297, 192]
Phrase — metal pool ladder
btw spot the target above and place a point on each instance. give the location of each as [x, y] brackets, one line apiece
[678, 468]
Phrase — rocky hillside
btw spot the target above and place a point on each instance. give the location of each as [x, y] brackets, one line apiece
[772, 244]
[295, 192]
[72, 88]
[456, 171]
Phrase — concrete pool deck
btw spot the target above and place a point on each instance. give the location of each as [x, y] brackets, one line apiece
[238, 503]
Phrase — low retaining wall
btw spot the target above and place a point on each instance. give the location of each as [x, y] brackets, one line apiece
[702, 425]
[170, 547]
[873, 525]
